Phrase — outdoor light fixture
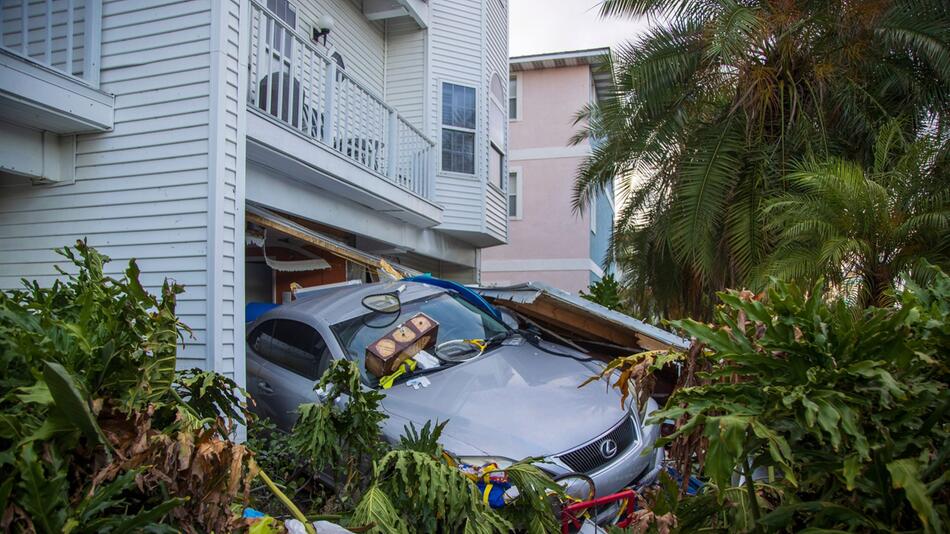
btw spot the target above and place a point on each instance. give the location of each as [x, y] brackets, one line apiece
[322, 28]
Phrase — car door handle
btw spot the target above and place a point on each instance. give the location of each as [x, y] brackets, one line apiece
[265, 387]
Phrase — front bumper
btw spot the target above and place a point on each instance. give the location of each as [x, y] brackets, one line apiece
[638, 464]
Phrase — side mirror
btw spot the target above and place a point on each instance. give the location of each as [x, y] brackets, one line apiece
[383, 303]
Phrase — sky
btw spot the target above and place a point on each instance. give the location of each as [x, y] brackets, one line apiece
[540, 26]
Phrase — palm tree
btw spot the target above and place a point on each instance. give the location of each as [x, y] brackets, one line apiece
[712, 107]
[865, 230]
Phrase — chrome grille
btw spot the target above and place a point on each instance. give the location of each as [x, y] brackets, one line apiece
[589, 457]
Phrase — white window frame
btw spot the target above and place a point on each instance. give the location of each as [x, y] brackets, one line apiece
[443, 126]
[519, 193]
[593, 213]
[519, 84]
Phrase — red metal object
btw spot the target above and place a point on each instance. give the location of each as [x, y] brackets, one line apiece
[571, 514]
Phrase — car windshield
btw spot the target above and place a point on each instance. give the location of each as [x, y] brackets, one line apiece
[457, 319]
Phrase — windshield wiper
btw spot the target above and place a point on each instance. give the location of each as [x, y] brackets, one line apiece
[498, 339]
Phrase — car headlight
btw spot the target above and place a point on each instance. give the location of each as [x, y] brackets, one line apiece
[479, 461]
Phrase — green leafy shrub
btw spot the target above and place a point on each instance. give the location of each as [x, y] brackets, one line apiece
[838, 414]
[414, 487]
[605, 292]
[98, 433]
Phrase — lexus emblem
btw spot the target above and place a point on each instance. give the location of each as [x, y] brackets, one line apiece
[608, 448]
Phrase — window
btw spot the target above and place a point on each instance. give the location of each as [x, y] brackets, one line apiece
[515, 189]
[593, 214]
[496, 167]
[514, 97]
[293, 346]
[458, 128]
[285, 12]
[261, 336]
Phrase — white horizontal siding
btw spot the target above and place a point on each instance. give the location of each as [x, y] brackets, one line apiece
[360, 41]
[141, 191]
[405, 69]
[496, 61]
[455, 34]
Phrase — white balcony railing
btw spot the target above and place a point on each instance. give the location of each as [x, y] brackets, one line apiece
[63, 35]
[299, 86]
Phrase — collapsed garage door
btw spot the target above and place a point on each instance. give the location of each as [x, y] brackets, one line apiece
[284, 256]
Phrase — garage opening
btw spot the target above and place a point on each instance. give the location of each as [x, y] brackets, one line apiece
[287, 255]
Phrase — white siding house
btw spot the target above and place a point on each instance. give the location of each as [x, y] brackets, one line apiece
[163, 130]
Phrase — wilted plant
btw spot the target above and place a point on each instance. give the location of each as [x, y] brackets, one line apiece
[98, 433]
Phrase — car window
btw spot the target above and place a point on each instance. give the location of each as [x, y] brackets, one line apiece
[261, 336]
[457, 319]
[296, 347]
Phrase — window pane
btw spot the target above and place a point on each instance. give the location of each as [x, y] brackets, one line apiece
[261, 336]
[513, 97]
[293, 348]
[458, 151]
[512, 194]
[496, 167]
[458, 106]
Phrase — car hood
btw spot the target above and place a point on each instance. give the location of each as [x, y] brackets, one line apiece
[514, 401]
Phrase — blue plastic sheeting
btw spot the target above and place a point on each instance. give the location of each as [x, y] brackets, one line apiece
[470, 296]
[253, 310]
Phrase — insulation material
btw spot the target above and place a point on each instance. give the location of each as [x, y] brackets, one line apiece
[296, 266]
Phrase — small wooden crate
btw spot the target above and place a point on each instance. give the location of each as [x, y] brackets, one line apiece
[404, 341]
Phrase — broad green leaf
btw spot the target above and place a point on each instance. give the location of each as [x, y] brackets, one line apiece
[905, 475]
[38, 393]
[71, 403]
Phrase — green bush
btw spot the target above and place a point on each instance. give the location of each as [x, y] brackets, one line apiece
[413, 487]
[839, 414]
[98, 433]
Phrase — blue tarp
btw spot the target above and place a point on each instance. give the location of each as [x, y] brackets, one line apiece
[470, 296]
[253, 310]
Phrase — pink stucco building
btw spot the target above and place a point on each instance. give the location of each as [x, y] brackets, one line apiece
[547, 241]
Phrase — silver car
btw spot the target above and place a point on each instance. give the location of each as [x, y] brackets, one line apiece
[517, 398]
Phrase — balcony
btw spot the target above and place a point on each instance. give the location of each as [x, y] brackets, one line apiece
[49, 66]
[345, 138]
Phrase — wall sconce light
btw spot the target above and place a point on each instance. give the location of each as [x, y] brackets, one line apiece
[322, 28]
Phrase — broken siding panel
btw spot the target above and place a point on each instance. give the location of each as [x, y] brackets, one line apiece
[360, 41]
[406, 70]
[140, 190]
[455, 35]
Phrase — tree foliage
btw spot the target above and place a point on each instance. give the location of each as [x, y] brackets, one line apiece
[606, 292]
[865, 230]
[98, 433]
[720, 99]
[838, 415]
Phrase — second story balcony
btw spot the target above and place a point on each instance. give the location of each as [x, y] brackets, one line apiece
[342, 131]
[49, 66]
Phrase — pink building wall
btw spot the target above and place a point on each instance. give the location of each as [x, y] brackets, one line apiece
[550, 243]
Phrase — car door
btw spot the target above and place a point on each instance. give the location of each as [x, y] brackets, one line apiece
[257, 344]
[290, 366]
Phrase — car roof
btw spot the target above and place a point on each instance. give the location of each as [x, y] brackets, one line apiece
[337, 304]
